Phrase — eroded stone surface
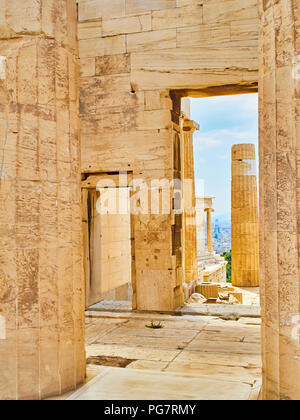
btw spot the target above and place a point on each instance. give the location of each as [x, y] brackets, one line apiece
[213, 355]
[129, 122]
[279, 197]
[131, 55]
[125, 384]
[41, 279]
[244, 217]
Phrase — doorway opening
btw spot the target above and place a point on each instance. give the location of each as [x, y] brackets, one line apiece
[219, 342]
[108, 236]
[226, 188]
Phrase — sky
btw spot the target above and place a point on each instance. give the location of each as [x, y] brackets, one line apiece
[224, 121]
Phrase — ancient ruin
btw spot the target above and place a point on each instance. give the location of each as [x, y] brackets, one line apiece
[211, 267]
[129, 63]
[190, 232]
[244, 217]
[41, 286]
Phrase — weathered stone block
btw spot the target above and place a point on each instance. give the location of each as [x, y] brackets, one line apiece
[154, 40]
[127, 25]
[102, 46]
[96, 9]
[137, 6]
[177, 17]
[113, 64]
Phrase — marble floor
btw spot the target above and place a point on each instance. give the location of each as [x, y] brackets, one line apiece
[190, 357]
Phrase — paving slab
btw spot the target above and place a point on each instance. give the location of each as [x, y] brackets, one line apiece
[220, 358]
[224, 372]
[148, 365]
[164, 343]
[177, 323]
[96, 330]
[128, 352]
[224, 347]
[250, 321]
[128, 384]
[191, 357]
[144, 330]
[229, 311]
[112, 305]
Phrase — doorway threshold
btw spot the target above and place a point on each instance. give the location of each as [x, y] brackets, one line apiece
[227, 312]
[111, 306]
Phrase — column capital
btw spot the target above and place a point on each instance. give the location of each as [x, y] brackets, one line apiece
[190, 125]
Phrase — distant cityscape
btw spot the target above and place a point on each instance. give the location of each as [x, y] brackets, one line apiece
[221, 226]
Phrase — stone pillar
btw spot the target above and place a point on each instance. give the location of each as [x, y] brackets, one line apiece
[200, 220]
[189, 195]
[41, 276]
[209, 230]
[244, 217]
[280, 197]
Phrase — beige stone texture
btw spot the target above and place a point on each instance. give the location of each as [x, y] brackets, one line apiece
[138, 58]
[200, 221]
[41, 277]
[215, 273]
[204, 210]
[107, 243]
[279, 198]
[167, 362]
[209, 238]
[122, 384]
[139, 51]
[190, 228]
[208, 290]
[244, 217]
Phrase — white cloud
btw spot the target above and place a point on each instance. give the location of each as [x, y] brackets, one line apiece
[203, 141]
[215, 138]
[234, 134]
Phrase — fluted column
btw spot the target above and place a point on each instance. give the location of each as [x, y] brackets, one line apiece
[190, 228]
[200, 221]
[244, 217]
[280, 197]
[209, 230]
[41, 277]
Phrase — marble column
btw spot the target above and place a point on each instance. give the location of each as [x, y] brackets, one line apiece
[189, 195]
[244, 217]
[41, 277]
[209, 230]
[279, 109]
[200, 221]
